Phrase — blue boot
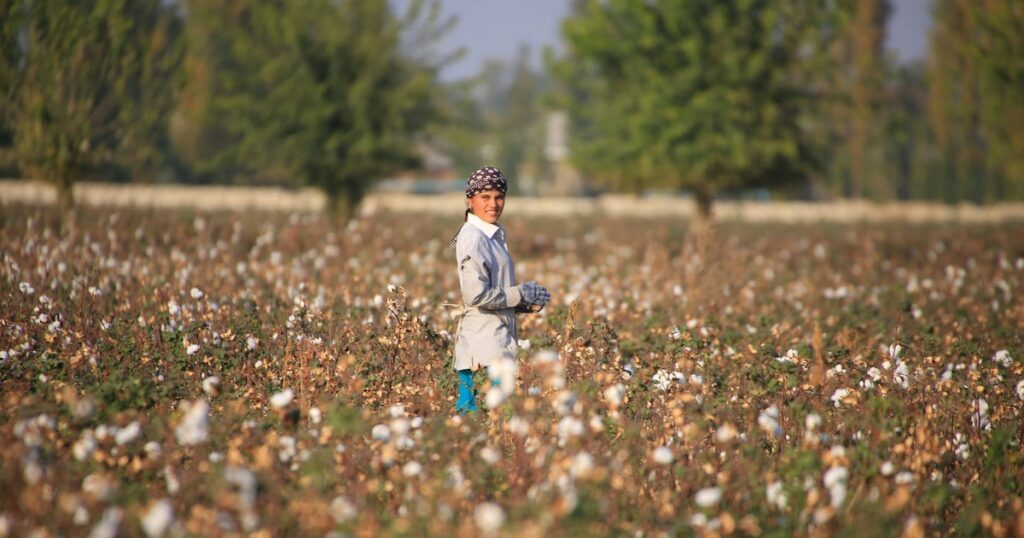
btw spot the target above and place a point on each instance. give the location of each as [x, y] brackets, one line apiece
[466, 401]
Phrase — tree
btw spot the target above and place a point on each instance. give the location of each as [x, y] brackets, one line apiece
[313, 91]
[976, 97]
[867, 40]
[82, 71]
[10, 57]
[690, 94]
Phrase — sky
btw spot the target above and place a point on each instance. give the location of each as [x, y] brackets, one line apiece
[497, 28]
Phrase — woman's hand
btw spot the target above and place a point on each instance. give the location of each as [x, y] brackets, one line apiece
[534, 294]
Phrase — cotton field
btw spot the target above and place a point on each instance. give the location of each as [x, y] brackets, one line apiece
[265, 374]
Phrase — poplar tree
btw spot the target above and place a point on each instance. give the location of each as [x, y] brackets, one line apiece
[317, 92]
[700, 95]
[976, 97]
[82, 75]
[866, 78]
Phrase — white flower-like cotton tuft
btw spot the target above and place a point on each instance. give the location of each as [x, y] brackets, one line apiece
[158, 518]
[489, 517]
[776, 496]
[615, 394]
[662, 455]
[282, 399]
[708, 497]
[211, 385]
[128, 434]
[381, 432]
[194, 426]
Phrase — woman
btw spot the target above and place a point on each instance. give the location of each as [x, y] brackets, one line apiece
[490, 296]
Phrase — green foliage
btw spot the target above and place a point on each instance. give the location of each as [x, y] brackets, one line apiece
[976, 101]
[87, 79]
[314, 91]
[693, 95]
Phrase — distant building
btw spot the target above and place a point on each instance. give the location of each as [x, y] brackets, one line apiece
[564, 179]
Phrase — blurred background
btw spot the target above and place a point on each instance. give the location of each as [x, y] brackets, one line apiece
[879, 100]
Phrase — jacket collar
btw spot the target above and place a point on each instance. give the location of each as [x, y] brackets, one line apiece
[484, 226]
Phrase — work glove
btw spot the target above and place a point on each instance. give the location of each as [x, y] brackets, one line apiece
[534, 294]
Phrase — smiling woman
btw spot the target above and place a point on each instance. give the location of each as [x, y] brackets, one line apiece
[490, 297]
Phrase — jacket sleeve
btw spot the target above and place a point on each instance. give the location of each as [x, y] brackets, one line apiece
[474, 278]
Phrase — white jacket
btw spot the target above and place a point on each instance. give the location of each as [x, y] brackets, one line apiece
[487, 280]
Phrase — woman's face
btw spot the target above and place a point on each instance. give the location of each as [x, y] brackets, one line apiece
[488, 205]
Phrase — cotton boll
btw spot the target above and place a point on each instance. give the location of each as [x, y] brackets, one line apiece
[109, 523]
[838, 395]
[1003, 358]
[835, 475]
[901, 375]
[494, 397]
[342, 509]
[404, 443]
[768, 421]
[614, 395]
[568, 428]
[489, 517]
[503, 374]
[194, 426]
[128, 434]
[153, 449]
[282, 399]
[490, 455]
[545, 356]
[381, 432]
[518, 426]
[211, 385]
[411, 469]
[725, 433]
[776, 496]
[564, 402]
[399, 426]
[98, 486]
[979, 415]
[662, 455]
[84, 446]
[835, 480]
[582, 464]
[708, 497]
[158, 518]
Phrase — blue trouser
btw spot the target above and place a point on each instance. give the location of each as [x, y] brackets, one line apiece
[466, 400]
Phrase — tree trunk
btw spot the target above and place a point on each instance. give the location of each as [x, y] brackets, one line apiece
[65, 196]
[65, 204]
[342, 203]
[702, 221]
[699, 238]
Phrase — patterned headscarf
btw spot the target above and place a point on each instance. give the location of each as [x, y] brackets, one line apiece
[487, 178]
[483, 179]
